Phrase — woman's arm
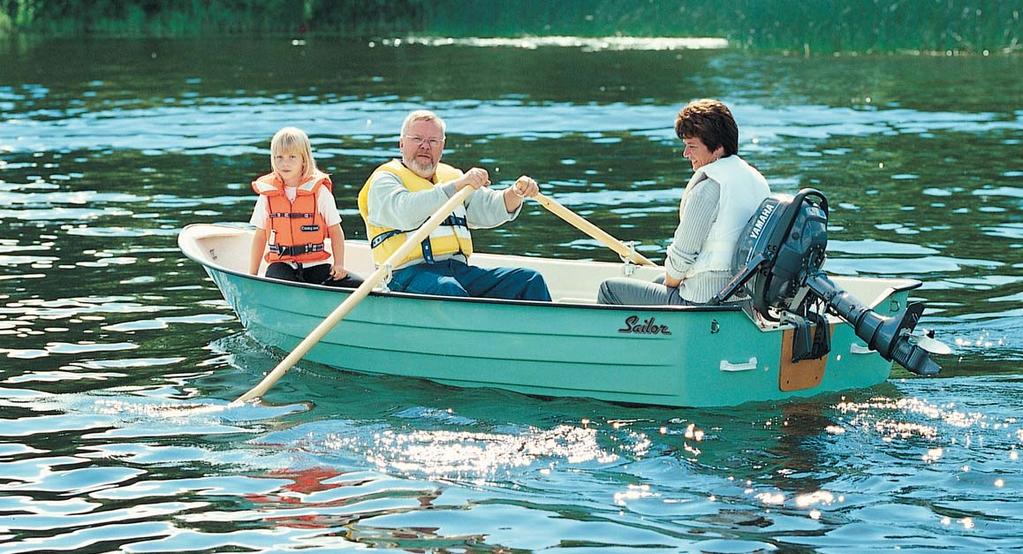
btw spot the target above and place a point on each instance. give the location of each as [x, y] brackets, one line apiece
[697, 215]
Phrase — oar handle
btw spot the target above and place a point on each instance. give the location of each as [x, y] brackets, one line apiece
[353, 299]
[592, 230]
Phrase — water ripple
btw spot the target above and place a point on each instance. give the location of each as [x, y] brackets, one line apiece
[231, 131]
[120, 356]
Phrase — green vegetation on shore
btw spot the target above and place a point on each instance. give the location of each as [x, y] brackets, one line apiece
[794, 25]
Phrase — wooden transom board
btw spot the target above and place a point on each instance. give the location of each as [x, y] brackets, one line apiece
[804, 374]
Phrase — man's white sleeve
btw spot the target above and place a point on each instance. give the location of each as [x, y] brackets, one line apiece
[392, 205]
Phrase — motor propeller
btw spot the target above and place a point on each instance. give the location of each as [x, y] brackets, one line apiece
[930, 344]
[778, 264]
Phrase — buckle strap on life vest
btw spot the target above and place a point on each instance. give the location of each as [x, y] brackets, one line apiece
[455, 221]
[452, 220]
[427, 248]
[379, 239]
[297, 250]
[292, 215]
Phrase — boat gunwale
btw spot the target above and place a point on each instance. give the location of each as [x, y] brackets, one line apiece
[437, 297]
[910, 284]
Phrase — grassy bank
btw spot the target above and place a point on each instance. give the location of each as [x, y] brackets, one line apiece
[795, 25]
[186, 18]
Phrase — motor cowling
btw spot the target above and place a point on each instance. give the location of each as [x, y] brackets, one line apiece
[791, 233]
[778, 264]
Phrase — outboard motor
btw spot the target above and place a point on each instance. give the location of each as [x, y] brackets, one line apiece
[778, 264]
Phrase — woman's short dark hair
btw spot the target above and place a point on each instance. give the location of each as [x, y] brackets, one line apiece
[710, 121]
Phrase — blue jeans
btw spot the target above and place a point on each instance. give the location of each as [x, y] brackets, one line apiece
[456, 278]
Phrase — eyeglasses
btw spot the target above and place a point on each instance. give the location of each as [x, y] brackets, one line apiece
[418, 141]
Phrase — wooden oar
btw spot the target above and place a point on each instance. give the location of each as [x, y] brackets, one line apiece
[353, 299]
[592, 230]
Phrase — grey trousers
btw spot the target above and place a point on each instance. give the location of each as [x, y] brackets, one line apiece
[633, 292]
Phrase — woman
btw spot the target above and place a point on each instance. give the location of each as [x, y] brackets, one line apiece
[718, 201]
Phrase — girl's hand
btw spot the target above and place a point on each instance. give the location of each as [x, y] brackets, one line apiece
[337, 272]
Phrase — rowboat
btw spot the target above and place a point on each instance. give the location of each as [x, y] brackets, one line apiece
[695, 356]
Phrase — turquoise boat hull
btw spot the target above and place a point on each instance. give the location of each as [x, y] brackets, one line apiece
[671, 356]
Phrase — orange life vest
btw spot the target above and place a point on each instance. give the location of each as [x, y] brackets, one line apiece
[297, 229]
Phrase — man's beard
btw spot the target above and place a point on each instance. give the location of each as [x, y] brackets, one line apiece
[421, 167]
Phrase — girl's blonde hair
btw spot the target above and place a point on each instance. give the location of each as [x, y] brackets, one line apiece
[291, 140]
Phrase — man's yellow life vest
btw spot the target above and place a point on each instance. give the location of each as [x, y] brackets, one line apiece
[451, 237]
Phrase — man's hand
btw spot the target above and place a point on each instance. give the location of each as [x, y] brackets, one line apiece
[514, 195]
[525, 186]
[476, 178]
[671, 282]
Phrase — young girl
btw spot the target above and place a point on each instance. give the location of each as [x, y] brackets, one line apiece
[294, 213]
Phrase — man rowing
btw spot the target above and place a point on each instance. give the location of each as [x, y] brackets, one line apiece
[401, 195]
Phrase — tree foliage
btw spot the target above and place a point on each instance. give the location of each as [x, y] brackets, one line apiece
[800, 25]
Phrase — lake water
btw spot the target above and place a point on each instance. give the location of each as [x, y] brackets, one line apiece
[109, 147]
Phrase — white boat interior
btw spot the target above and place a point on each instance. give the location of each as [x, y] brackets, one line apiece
[570, 281]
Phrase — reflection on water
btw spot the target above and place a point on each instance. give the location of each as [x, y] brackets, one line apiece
[118, 355]
[583, 43]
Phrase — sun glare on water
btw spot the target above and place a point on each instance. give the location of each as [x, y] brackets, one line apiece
[461, 454]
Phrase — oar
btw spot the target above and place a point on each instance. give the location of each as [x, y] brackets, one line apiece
[353, 299]
[592, 230]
